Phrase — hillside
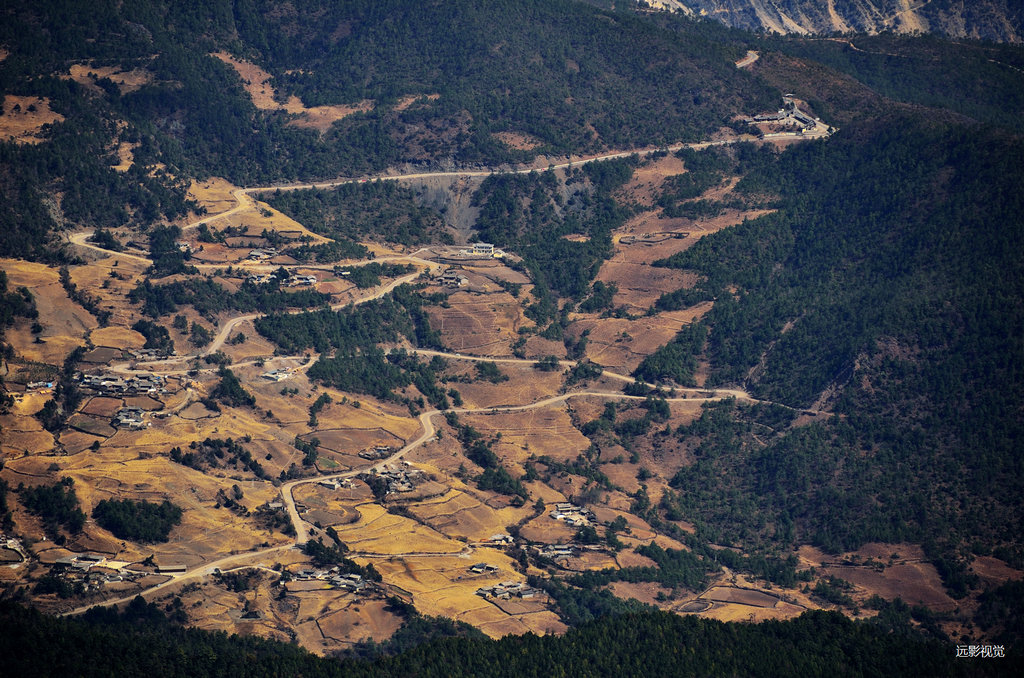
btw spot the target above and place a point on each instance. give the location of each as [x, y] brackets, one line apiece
[148, 96]
[995, 20]
[372, 325]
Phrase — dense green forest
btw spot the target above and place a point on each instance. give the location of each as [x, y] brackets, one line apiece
[568, 75]
[141, 521]
[984, 81]
[208, 297]
[56, 505]
[379, 209]
[141, 641]
[531, 215]
[888, 278]
[399, 313]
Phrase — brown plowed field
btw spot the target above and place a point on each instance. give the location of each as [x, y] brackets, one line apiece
[479, 324]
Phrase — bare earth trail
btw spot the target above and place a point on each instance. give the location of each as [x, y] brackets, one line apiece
[259, 558]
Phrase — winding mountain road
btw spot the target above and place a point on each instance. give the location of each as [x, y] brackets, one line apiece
[260, 557]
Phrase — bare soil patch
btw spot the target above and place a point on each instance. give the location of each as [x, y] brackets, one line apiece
[91, 425]
[352, 441]
[479, 324]
[257, 83]
[144, 402]
[65, 323]
[102, 407]
[101, 355]
[724, 594]
[24, 118]
[404, 103]
[645, 186]
[520, 141]
[620, 344]
[117, 337]
[126, 81]
[75, 442]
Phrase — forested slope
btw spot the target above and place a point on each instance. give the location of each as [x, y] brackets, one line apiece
[141, 642]
[887, 289]
[563, 76]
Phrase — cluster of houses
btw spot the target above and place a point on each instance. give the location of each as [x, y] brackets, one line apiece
[573, 515]
[790, 116]
[377, 452]
[400, 479]
[109, 384]
[146, 353]
[353, 583]
[38, 385]
[92, 570]
[508, 589]
[292, 281]
[452, 278]
[130, 418]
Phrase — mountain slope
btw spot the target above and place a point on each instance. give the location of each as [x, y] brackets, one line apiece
[998, 20]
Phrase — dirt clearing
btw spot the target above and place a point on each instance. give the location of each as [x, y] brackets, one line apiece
[24, 118]
[257, 83]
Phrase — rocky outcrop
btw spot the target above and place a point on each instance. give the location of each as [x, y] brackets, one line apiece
[998, 20]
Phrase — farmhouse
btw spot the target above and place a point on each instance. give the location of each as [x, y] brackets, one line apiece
[262, 254]
[507, 589]
[572, 514]
[483, 568]
[377, 452]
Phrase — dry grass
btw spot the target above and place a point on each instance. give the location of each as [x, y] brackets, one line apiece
[443, 586]
[65, 323]
[127, 81]
[23, 126]
[620, 345]
[257, 83]
[404, 103]
[117, 337]
[916, 583]
[745, 613]
[645, 186]
[479, 324]
[214, 194]
[382, 533]
[525, 385]
[457, 513]
[540, 431]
